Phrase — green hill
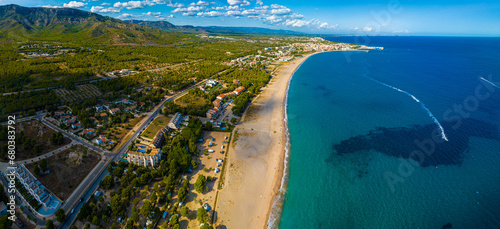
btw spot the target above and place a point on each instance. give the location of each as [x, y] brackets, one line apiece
[167, 26]
[25, 24]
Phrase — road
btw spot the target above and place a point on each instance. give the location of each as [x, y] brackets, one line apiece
[96, 80]
[171, 66]
[90, 185]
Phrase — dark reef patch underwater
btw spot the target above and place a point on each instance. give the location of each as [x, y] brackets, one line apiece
[421, 143]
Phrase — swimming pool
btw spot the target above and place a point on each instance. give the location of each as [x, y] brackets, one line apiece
[141, 151]
[144, 147]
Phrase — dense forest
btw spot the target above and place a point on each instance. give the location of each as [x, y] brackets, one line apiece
[83, 63]
[27, 101]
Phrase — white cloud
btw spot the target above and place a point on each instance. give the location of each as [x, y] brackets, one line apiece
[126, 16]
[134, 4]
[233, 13]
[276, 6]
[152, 14]
[233, 8]
[234, 2]
[311, 23]
[51, 6]
[105, 4]
[189, 13]
[202, 3]
[273, 14]
[189, 9]
[175, 5]
[279, 9]
[170, 16]
[401, 31]
[245, 3]
[272, 19]
[249, 12]
[74, 4]
[368, 29]
[210, 14]
[100, 9]
[296, 23]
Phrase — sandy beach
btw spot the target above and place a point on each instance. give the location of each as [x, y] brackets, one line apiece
[256, 157]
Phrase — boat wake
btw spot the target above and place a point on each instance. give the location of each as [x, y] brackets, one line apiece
[441, 129]
[487, 81]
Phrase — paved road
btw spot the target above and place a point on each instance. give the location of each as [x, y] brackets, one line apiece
[84, 191]
[101, 78]
[90, 185]
[171, 66]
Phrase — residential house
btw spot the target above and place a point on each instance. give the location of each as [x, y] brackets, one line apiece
[239, 90]
[102, 140]
[76, 125]
[88, 131]
[211, 83]
[131, 109]
[114, 111]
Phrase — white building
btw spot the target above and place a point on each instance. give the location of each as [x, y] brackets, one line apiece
[211, 83]
[144, 155]
[34, 187]
[175, 121]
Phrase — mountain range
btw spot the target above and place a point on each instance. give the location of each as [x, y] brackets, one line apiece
[18, 23]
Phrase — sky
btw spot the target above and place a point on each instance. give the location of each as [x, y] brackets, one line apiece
[358, 17]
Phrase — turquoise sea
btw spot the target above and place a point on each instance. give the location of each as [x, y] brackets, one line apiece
[368, 129]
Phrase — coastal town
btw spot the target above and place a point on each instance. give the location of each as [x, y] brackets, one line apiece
[126, 148]
[249, 114]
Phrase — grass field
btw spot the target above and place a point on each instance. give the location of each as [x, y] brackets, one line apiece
[192, 101]
[155, 126]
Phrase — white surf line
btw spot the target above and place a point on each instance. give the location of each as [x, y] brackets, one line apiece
[487, 81]
[441, 129]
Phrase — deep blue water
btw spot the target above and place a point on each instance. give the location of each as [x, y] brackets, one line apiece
[366, 151]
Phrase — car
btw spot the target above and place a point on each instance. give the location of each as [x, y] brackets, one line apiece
[222, 151]
[72, 210]
[81, 199]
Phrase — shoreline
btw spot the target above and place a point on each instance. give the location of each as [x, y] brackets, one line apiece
[256, 176]
[276, 207]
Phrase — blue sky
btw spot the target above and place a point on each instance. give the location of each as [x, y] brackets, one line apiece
[376, 17]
